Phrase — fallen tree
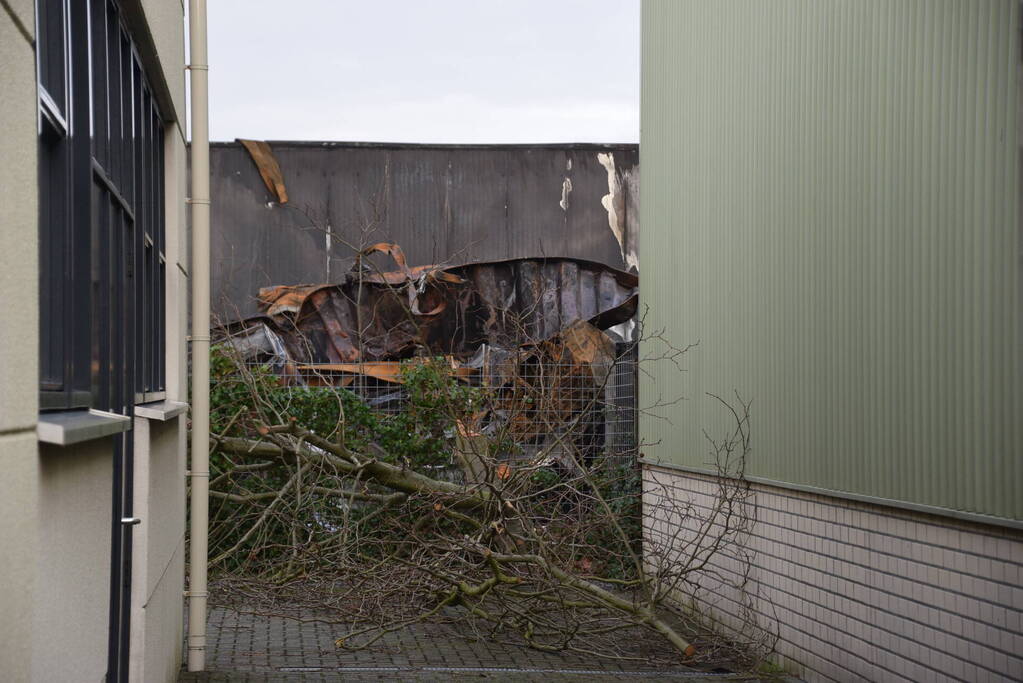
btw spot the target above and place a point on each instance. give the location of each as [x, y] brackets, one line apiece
[431, 517]
[482, 492]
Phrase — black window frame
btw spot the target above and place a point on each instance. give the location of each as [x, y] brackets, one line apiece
[102, 232]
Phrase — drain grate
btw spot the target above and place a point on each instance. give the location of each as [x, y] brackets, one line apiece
[500, 670]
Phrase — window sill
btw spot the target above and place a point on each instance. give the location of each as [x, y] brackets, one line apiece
[160, 410]
[150, 397]
[67, 427]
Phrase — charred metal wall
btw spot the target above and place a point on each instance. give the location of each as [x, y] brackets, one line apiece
[441, 203]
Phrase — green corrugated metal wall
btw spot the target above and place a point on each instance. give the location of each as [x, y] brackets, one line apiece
[830, 207]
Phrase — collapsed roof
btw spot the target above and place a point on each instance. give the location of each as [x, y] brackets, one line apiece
[450, 310]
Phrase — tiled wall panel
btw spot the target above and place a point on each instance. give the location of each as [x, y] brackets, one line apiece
[860, 591]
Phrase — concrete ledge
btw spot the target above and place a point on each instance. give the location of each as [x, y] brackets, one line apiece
[972, 517]
[68, 427]
[160, 410]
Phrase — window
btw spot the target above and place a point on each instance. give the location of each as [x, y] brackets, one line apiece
[101, 212]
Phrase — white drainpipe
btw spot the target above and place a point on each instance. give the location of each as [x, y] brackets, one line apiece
[200, 467]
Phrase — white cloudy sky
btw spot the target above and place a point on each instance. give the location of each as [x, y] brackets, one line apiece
[425, 71]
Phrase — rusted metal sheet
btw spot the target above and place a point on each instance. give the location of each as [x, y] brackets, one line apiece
[285, 298]
[269, 169]
[452, 310]
[386, 371]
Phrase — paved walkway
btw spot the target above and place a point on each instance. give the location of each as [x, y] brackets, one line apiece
[253, 648]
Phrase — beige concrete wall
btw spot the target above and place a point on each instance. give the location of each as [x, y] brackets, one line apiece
[55, 502]
[19, 498]
[165, 19]
[159, 552]
[158, 549]
[72, 598]
[164, 623]
[160, 447]
[862, 592]
[18, 218]
[176, 158]
[22, 14]
[158, 640]
[18, 582]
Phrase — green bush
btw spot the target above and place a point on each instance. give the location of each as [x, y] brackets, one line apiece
[415, 436]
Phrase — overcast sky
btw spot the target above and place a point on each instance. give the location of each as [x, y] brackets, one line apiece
[470, 71]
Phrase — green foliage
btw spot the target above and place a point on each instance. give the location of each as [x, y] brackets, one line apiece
[418, 434]
[544, 478]
[241, 398]
[619, 482]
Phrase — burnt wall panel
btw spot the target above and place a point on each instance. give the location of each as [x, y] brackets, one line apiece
[441, 203]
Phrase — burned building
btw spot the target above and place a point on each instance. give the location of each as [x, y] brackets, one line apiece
[444, 204]
[333, 263]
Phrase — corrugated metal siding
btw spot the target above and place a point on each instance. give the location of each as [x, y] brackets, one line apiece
[830, 208]
[441, 203]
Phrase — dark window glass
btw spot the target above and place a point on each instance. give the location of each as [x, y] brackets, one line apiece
[54, 243]
[52, 42]
[101, 213]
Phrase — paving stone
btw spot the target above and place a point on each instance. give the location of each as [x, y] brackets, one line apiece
[250, 648]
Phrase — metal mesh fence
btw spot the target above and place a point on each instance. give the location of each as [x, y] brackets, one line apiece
[621, 427]
[536, 401]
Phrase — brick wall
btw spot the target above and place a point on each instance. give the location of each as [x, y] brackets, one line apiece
[859, 591]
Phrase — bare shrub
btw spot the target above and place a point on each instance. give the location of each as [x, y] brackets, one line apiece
[486, 497]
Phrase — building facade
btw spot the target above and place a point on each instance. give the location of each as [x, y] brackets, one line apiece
[92, 413]
[831, 210]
